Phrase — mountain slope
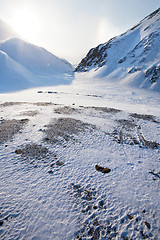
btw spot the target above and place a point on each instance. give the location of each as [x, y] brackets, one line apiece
[132, 58]
[25, 65]
[34, 58]
[13, 76]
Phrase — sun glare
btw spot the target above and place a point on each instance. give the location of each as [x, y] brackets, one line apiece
[26, 24]
[106, 30]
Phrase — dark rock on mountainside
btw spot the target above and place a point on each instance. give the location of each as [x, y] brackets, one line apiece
[132, 57]
[96, 56]
[153, 73]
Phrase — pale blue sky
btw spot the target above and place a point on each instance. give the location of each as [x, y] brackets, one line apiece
[69, 28]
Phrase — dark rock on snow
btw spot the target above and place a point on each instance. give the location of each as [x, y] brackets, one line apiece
[102, 169]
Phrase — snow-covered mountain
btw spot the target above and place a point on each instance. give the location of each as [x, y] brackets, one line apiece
[26, 65]
[34, 58]
[132, 58]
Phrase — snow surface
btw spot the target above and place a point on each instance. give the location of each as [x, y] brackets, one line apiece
[51, 189]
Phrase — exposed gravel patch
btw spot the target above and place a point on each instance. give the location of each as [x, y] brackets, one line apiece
[36, 154]
[127, 124]
[30, 113]
[10, 127]
[130, 133]
[65, 129]
[104, 109]
[67, 110]
[144, 117]
[33, 151]
[146, 143]
[45, 104]
[9, 104]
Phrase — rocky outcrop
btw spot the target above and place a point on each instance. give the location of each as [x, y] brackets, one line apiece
[153, 73]
[132, 57]
[96, 57]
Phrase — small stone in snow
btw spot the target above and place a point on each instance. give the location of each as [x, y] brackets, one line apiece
[101, 204]
[130, 217]
[95, 207]
[46, 139]
[147, 224]
[58, 163]
[1, 222]
[102, 169]
[52, 165]
[18, 151]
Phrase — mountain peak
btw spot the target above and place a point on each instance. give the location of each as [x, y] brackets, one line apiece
[25, 65]
[129, 58]
[153, 14]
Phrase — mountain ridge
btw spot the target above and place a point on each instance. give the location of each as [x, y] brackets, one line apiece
[135, 52]
[34, 58]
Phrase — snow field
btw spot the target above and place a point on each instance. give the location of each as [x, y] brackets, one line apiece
[57, 193]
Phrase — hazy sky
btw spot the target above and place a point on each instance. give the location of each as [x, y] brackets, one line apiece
[69, 28]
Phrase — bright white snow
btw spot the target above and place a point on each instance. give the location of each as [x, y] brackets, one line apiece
[42, 199]
[54, 134]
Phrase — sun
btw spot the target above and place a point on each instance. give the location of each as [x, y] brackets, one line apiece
[26, 23]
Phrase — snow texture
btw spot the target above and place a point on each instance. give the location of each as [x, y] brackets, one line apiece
[52, 140]
[80, 157]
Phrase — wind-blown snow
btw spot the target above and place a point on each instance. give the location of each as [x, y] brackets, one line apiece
[51, 189]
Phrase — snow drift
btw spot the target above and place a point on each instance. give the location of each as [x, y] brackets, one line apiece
[132, 58]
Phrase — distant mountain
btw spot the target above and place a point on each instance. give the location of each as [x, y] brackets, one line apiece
[34, 58]
[13, 76]
[132, 58]
[24, 65]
